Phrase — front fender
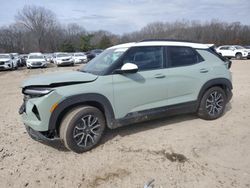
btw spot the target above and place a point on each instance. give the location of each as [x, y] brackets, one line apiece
[81, 99]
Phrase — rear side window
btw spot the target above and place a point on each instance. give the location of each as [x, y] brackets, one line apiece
[146, 58]
[224, 48]
[182, 56]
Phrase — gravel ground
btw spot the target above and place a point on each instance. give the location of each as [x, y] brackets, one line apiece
[181, 151]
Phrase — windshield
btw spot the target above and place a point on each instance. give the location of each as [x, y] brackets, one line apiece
[4, 56]
[82, 54]
[36, 57]
[97, 51]
[101, 63]
[62, 55]
[239, 47]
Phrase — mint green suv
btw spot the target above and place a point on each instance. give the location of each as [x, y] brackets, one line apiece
[126, 84]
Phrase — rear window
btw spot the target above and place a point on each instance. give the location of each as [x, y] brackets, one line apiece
[182, 56]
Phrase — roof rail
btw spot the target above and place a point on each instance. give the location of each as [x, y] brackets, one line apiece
[170, 40]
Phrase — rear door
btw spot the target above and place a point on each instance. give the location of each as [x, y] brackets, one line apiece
[185, 74]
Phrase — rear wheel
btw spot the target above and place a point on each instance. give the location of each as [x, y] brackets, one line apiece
[212, 104]
[238, 56]
[82, 128]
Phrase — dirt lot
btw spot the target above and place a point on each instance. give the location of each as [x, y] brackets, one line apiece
[213, 153]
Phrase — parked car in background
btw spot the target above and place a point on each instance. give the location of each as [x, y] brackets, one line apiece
[93, 53]
[49, 57]
[23, 58]
[7, 62]
[79, 57]
[36, 60]
[17, 59]
[62, 59]
[235, 51]
[126, 84]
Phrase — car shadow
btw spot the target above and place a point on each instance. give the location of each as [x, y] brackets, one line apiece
[144, 126]
[228, 107]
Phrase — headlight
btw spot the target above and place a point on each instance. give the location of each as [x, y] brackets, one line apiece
[7, 62]
[36, 92]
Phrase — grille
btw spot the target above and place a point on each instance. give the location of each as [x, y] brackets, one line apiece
[2, 63]
[36, 63]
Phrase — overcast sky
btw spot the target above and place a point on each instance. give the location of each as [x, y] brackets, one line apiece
[121, 16]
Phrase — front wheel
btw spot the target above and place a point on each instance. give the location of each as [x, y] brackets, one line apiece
[238, 56]
[82, 128]
[212, 104]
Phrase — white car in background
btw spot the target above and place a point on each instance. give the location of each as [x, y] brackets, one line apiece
[16, 58]
[80, 57]
[62, 59]
[235, 51]
[7, 62]
[36, 60]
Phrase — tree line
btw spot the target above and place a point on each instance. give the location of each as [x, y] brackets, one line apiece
[36, 29]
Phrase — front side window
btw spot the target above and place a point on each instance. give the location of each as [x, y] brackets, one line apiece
[239, 48]
[182, 56]
[146, 58]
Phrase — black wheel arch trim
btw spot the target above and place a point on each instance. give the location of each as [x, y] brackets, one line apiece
[215, 82]
[76, 100]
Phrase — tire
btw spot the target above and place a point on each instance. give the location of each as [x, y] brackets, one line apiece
[238, 56]
[12, 67]
[82, 128]
[212, 104]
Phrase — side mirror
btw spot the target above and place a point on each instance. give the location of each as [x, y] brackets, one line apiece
[127, 68]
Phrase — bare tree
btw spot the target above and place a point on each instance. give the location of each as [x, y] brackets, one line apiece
[37, 29]
[38, 20]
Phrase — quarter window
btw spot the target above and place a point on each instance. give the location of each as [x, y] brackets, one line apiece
[182, 56]
[146, 58]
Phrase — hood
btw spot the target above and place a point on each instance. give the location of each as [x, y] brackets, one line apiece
[35, 60]
[5, 59]
[65, 57]
[59, 79]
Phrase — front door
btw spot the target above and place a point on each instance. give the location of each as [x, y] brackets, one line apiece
[146, 89]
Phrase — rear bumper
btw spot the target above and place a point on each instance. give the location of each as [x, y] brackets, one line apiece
[65, 63]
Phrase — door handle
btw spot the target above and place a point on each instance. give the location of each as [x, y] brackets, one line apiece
[159, 76]
[203, 70]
